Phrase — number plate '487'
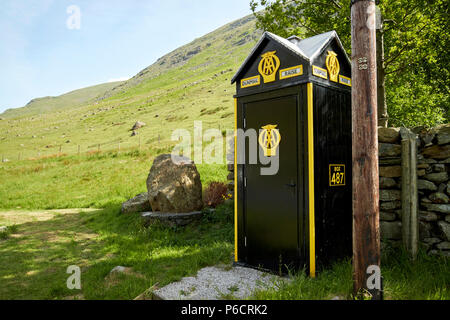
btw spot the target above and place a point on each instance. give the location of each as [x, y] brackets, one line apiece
[337, 175]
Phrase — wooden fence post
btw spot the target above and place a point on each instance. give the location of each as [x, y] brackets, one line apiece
[410, 225]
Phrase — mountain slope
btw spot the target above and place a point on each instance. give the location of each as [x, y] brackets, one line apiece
[189, 84]
[67, 100]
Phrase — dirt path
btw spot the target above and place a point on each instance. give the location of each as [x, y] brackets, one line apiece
[19, 216]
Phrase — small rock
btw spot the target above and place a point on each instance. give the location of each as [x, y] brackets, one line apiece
[428, 216]
[391, 171]
[427, 138]
[386, 183]
[389, 161]
[447, 218]
[441, 208]
[431, 241]
[134, 133]
[444, 245]
[140, 203]
[421, 172]
[443, 134]
[390, 195]
[425, 200]
[388, 135]
[438, 177]
[3, 228]
[437, 152]
[120, 269]
[387, 216]
[389, 150]
[438, 167]
[424, 230]
[138, 125]
[426, 185]
[442, 188]
[438, 197]
[445, 229]
[390, 205]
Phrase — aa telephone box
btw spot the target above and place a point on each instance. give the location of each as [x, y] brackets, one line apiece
[293, 197]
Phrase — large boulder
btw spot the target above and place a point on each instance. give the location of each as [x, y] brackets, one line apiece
[139, 203]
[174, 187]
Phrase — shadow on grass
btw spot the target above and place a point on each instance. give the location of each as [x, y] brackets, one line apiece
[34, 261]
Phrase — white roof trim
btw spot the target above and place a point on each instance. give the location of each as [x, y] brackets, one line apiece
[332, 36]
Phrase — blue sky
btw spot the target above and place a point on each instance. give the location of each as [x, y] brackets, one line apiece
[41, 56]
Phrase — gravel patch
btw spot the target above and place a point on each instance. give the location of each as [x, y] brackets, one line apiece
[216, 283]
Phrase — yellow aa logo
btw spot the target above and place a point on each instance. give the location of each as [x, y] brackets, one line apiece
[269, 140]
[333, 66]
[269, 66]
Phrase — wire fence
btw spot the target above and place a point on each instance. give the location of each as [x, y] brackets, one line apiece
[117, 145]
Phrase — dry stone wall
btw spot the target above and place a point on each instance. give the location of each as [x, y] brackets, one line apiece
[433, 168]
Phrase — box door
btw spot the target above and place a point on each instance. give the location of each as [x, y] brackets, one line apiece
[271, 201]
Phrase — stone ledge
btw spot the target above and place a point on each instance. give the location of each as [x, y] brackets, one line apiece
[171, 219]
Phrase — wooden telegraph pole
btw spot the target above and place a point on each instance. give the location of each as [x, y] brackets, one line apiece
[366, 235]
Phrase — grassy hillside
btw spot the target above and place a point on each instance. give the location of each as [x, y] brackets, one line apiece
[190, 83]
[53, 104]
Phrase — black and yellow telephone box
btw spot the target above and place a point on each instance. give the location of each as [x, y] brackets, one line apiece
[293, 199]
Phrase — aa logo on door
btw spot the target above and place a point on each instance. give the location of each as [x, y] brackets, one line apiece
[269, 140]
[333, 66]
[268, 66]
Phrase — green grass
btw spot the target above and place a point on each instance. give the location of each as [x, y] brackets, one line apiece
[35, 260]
[427, 278]
[90, 181]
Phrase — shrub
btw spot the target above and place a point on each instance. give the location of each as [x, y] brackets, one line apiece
[216, 193]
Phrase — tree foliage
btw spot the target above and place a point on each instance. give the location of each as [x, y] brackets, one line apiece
[416, 40]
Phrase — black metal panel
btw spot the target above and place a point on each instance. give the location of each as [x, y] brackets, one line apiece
[332, 146]
[320, 61]
[270, 210]
[287, 60]
[271, 200]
